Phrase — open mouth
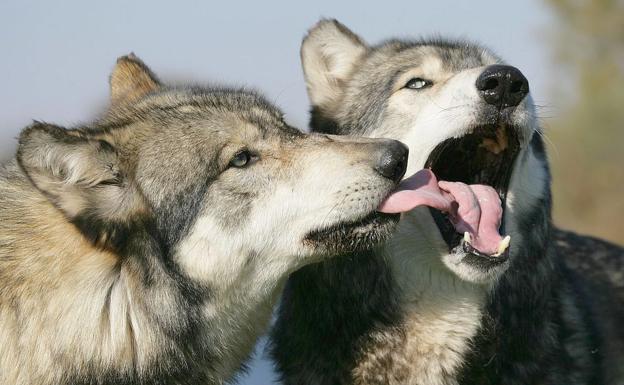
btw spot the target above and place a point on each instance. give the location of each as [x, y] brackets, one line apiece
[483, 157]
[355, 235]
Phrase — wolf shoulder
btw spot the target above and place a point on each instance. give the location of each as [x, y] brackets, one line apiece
[594, 272]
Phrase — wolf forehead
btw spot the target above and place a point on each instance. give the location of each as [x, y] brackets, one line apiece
[453, 55]
[386, 63]
[186, 106]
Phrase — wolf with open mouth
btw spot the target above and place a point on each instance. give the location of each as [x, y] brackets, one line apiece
[476, 286]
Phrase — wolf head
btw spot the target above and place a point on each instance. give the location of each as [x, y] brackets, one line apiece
[214, 177]
[461, 111]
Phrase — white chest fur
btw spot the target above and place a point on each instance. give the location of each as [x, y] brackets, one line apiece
[442, 313]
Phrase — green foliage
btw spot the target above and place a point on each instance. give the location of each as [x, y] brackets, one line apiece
[588, 131]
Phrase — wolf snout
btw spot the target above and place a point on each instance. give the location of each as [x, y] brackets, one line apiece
[391, 159]
[502, 86]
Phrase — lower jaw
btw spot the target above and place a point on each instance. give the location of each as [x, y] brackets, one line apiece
[352, 237]
[456, 244]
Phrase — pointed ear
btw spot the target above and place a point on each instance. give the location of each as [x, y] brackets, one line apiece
[329, 54]
[66, 166]
[131, 79]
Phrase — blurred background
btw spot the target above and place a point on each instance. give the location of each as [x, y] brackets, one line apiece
[55, 58]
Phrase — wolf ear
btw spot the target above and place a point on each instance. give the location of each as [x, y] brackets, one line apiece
[131, 79]
[65, 165]
[329, 54]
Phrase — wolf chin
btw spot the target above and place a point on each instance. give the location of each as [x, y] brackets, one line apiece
[426, 308]
[150, 246]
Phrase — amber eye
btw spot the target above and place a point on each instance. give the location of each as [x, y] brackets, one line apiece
[418, 83]
[242, 158]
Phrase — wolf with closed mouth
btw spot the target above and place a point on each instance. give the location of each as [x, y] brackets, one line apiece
[430, 307]
[150, 246]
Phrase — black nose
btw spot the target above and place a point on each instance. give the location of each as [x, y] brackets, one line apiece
[502, 86]
[392, 160]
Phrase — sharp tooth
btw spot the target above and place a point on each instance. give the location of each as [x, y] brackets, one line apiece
[503, 245]
[467, 237]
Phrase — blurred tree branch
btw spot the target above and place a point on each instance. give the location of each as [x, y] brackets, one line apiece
[588, 132]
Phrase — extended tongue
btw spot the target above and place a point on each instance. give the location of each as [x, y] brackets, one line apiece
[420, 189]
[474, 211]
[478, 217]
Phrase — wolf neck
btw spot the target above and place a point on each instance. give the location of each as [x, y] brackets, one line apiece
[440, 313]
[123, 315]
[210, 327]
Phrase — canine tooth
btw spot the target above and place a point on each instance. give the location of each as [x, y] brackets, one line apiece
[503, 245]
[467, 237]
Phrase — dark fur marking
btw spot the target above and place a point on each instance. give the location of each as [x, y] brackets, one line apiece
[323, 124]
[365, 302]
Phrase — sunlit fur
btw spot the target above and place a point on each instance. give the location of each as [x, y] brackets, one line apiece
[133, 252]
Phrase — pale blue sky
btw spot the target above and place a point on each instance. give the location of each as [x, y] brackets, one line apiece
[55, 57]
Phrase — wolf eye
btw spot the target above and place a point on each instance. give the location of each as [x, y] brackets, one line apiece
[418, 83]
[242, 159]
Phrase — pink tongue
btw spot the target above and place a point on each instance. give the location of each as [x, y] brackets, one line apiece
[475, 209]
